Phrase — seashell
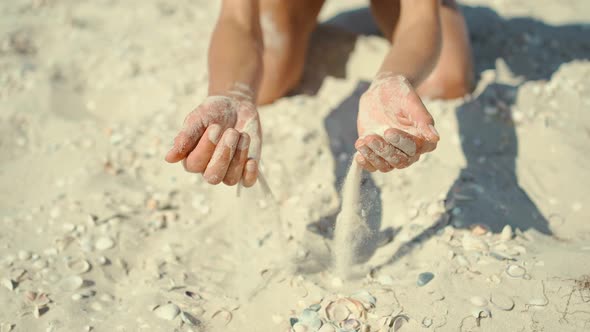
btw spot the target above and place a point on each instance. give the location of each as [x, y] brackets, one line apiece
[189, 319]
[471, 243]
[350, 324]
[298, 327]
[30, 296]
[506, 234]
[515, 271]
[104, 243]
[78, 265]
[327, 328]
[426, 322]
[337, 311]
[398, 321]
[223, 314]
[478, 301]
[167, 311]
[502, 302]
[315, 307]
[102, 260]
[71, 283]
[310, 318]
[368, 300]
[424, 278]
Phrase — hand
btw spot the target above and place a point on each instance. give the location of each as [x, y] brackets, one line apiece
[222, 140]
[394, 126]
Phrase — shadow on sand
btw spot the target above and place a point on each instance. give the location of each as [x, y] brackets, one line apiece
[486, 190]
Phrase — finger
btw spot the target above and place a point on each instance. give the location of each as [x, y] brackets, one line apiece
[408, 143]
[408, 162]
[364, 163]
[197, 160]
[187, 139]
[373, 158]
[393, 156]
[224, 152]
[250, 173]
[236, 166]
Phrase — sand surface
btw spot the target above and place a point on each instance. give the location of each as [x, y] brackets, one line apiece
[98, 233]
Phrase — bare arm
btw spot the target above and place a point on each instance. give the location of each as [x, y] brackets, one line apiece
[221, 138]
[235, 51]
[416, 42]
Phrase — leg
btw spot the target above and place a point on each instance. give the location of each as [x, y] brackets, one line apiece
[286, 28]
[452, 76]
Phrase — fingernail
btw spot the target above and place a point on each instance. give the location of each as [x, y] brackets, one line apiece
[394, 138]
[433, 130]
[214, 133]
[230, 138]
[244, 141]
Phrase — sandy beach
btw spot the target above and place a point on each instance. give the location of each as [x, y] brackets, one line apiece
[490, 232]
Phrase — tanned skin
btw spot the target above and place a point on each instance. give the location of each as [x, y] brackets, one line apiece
[257, 54]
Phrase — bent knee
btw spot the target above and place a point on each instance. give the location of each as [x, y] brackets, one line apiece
[446, 85]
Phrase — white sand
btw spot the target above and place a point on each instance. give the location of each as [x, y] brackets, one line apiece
[92, 93]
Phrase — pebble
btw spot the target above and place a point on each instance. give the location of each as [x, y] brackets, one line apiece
[167, 311]
[424, 278]
[102, 260]
[515, 271]
[506, 233]
[104, 243]
[427, 322]
[24, 255]
[478, 301]
[71, 283]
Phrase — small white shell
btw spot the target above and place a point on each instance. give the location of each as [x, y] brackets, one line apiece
[506, 233]
[104, 243]
[71, 283]
[478, 301]
[8, 283]
[515, 271]
[78, 265]
[167, 311]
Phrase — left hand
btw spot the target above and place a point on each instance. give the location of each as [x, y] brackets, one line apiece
[393, 124]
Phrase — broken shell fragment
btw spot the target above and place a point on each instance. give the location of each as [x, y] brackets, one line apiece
[8, 283]
[167, 311]
[189, 319]
[368, 300]
[350, 324]
[502, 302]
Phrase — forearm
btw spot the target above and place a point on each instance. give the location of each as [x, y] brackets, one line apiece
[235, 51]
[416, 44]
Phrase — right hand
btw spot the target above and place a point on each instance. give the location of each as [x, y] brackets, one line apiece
[221, 139]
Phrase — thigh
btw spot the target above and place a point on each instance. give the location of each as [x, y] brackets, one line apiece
[286, 28]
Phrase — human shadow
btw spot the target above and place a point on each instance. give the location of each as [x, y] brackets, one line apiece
[532, 49]
[486, 191]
